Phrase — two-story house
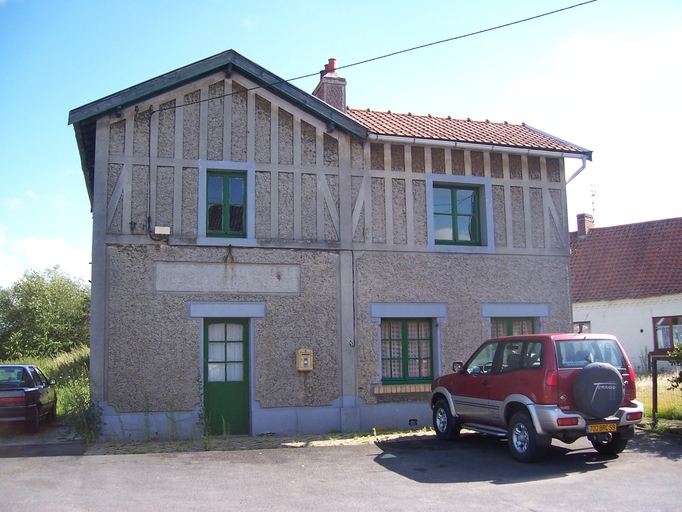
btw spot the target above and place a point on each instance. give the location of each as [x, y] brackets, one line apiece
[266, 260]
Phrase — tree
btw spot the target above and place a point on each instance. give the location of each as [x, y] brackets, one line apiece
[43, 314]
[676, 352]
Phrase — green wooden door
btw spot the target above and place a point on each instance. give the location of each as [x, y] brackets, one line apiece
[226, 376]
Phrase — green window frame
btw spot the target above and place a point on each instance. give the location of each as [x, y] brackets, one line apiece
[226, 204]
[406, 351]
[457, 215]
[512, 326]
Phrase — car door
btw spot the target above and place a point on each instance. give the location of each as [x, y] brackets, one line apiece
[472, 394]
[50, 393]
[517, 372]
[42, 395]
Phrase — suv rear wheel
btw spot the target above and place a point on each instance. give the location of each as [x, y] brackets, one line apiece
[446, 427]
[610, 444]
[523, 439]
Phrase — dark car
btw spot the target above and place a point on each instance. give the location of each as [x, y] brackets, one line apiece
[535, 388]
[26, 395]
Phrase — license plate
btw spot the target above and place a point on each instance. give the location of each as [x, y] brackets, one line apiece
[596, 428]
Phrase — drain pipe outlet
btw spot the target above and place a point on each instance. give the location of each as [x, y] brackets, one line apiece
[582, 167]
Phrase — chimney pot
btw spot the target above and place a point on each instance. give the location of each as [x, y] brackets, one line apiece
[332, 87]
[585, 224]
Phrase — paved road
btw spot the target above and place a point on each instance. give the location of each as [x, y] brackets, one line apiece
[474, 473]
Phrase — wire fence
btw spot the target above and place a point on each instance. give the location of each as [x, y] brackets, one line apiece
[669, 400]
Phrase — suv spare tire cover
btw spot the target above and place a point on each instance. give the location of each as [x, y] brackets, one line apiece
[598, 390]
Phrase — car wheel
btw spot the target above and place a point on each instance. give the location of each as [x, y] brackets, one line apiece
[52, 415]
[523, 439]
[446, 427]
[598, 390]
[610, 445]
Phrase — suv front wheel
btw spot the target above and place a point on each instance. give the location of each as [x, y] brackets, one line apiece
[523, 439]
[446, 427]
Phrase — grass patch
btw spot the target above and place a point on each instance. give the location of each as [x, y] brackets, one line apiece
[669, 400]
[74, 407]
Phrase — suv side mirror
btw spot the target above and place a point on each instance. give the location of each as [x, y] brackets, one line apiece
[457, 366]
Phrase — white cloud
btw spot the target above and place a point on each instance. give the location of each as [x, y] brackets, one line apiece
[248, 22]
[14, 203]
[31, 194]
[34, 254]
[10, 270]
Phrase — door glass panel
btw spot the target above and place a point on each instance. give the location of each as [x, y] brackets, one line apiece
[216, 332]
[235, 372]
[234, 352]
[233, 332]
[216, 352]
[216, 372]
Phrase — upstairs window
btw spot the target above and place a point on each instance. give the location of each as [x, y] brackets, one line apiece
[226, 204]
[457, 218]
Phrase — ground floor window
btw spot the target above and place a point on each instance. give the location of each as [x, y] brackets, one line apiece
[582, 327]
[406, 351]
[512, 326]
[667, 332]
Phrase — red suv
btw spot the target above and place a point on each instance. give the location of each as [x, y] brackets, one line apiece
[533, 388]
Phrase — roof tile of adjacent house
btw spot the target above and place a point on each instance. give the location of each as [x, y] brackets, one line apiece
[631, 261]
[449, 129]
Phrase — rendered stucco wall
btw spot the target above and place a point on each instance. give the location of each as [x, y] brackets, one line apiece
[155, 353]
[631, 321]
[463, 282]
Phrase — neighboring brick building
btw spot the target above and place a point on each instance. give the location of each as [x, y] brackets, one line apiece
[240, 222]
[627, 280]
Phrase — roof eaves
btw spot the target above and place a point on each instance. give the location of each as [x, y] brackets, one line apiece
[478, 146]
[586, 152]
[203, 67]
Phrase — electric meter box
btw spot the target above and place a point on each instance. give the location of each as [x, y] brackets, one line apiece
[304, 360]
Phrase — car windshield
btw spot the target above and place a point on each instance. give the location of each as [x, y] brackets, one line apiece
[579, 353]
[11, 376]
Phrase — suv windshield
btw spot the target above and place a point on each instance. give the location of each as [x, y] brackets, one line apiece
[579, 353]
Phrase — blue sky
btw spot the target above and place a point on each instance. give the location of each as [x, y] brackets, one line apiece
[605, 76]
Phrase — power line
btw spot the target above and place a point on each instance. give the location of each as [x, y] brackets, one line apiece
[455, 38]
[450, 39]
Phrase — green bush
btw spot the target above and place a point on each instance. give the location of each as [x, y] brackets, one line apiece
[80, 414]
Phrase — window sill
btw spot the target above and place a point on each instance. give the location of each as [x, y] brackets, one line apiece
[391, 389]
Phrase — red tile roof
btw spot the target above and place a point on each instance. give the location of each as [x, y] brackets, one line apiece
[459, 130]
[632, 261]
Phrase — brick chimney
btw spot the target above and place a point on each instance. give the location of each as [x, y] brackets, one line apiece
[332, 87]
[585, 224]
